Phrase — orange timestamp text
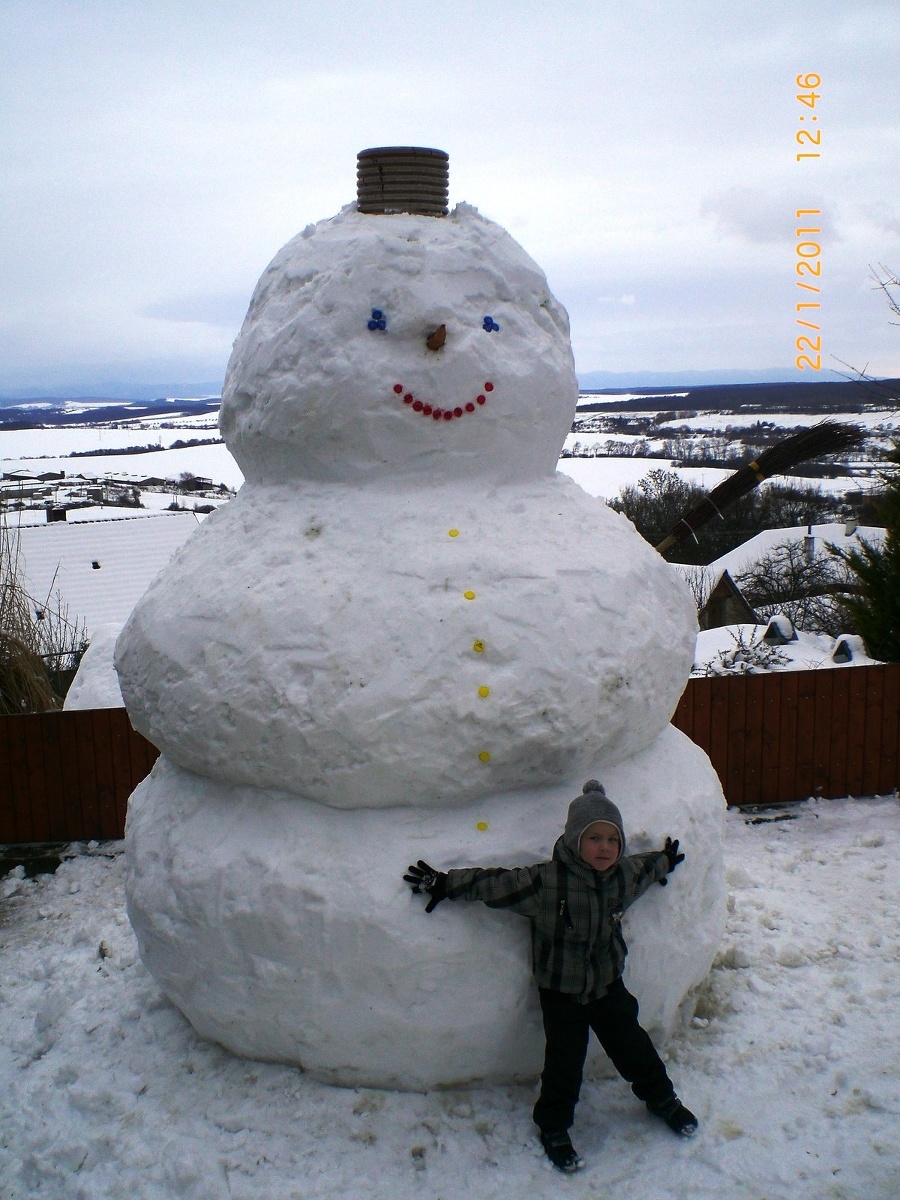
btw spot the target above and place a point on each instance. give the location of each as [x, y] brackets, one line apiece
[809, 267]
[806, 136]
[808, 249]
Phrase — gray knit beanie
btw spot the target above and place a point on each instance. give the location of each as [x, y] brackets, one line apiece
[592, 805]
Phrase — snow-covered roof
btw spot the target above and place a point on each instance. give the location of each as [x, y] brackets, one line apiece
[100, 568]
[751, 551]
[91, 513]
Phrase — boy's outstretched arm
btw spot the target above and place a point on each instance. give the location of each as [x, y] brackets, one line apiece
[515, 888]
[422, 878]
[671, 852]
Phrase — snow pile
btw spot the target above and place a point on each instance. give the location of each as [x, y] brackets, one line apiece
[744, 649]
[791, 1063]
[96, 684]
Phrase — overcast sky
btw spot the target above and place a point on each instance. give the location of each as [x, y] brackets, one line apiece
[156, 155]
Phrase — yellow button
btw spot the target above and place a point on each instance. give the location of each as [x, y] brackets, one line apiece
[469, 595]
[481, 826]
[453, 532]
[485, 756]
[478, 646]
[484, 692]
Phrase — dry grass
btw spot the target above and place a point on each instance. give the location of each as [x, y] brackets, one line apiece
[37, 640]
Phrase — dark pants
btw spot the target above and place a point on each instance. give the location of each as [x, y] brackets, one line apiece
[567, 1026]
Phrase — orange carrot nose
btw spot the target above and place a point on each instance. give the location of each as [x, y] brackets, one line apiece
[435, 340]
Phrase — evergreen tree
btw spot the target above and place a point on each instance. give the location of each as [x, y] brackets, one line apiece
[876, 609]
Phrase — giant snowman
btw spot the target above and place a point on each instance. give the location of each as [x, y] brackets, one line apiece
[407, 637]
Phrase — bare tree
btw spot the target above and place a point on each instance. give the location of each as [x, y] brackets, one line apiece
[701, 581]
[811, 589]
[889, 282]
[657, 502]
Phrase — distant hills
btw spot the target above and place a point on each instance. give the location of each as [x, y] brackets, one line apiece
[839, 396]
[844, 396]
[95, 410]
[630, 380]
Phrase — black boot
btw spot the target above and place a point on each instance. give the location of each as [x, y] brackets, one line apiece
[559, 1149]
[679, 1119]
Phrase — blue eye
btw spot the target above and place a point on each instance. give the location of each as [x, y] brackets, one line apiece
[377, 320]
[490, 325]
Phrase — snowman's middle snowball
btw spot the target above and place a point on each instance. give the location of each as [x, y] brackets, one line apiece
[345, 646]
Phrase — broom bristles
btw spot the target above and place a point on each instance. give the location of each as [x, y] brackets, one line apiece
[825, 438]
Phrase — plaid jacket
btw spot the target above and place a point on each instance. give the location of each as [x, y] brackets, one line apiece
[575, 912]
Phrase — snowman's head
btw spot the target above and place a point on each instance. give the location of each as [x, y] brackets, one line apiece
[381, 346]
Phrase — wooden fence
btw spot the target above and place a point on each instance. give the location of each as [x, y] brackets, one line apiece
[772, 739]
[67, 776]
[788, 735]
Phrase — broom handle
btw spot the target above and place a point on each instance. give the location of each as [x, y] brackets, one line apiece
[771, 462]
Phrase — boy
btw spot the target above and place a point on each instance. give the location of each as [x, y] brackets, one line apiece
[575, 904]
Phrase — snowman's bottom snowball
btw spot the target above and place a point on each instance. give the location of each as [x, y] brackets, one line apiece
[282, 928]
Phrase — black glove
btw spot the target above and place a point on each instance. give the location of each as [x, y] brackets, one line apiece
[671, 852]
[423, 878]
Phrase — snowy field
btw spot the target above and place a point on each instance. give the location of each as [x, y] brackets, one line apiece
[209, 462]
[62, 440]
[598, 476]
[48, 450]
[607, 476]
[876, 420]
[792, 1063]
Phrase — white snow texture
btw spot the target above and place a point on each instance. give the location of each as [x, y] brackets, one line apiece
[283, 930]
[406, 637]
[310, 389]
[790, 1063]
[96, 684]
[318, 639]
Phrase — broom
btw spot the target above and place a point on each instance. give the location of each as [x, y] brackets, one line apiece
[828, 437]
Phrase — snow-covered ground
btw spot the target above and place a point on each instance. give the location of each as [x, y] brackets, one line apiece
[792, 1063]
[210, 462]
[607, 476]
[33, 446]
[47, 450]
[739, 649]
[877, 420]
[598, 476]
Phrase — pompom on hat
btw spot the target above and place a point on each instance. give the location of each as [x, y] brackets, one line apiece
[592, 805]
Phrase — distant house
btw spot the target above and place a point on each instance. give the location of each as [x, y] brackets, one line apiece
[719, 599]
[726, 605]
[43, 476]
[134, 480]
[725, 613]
